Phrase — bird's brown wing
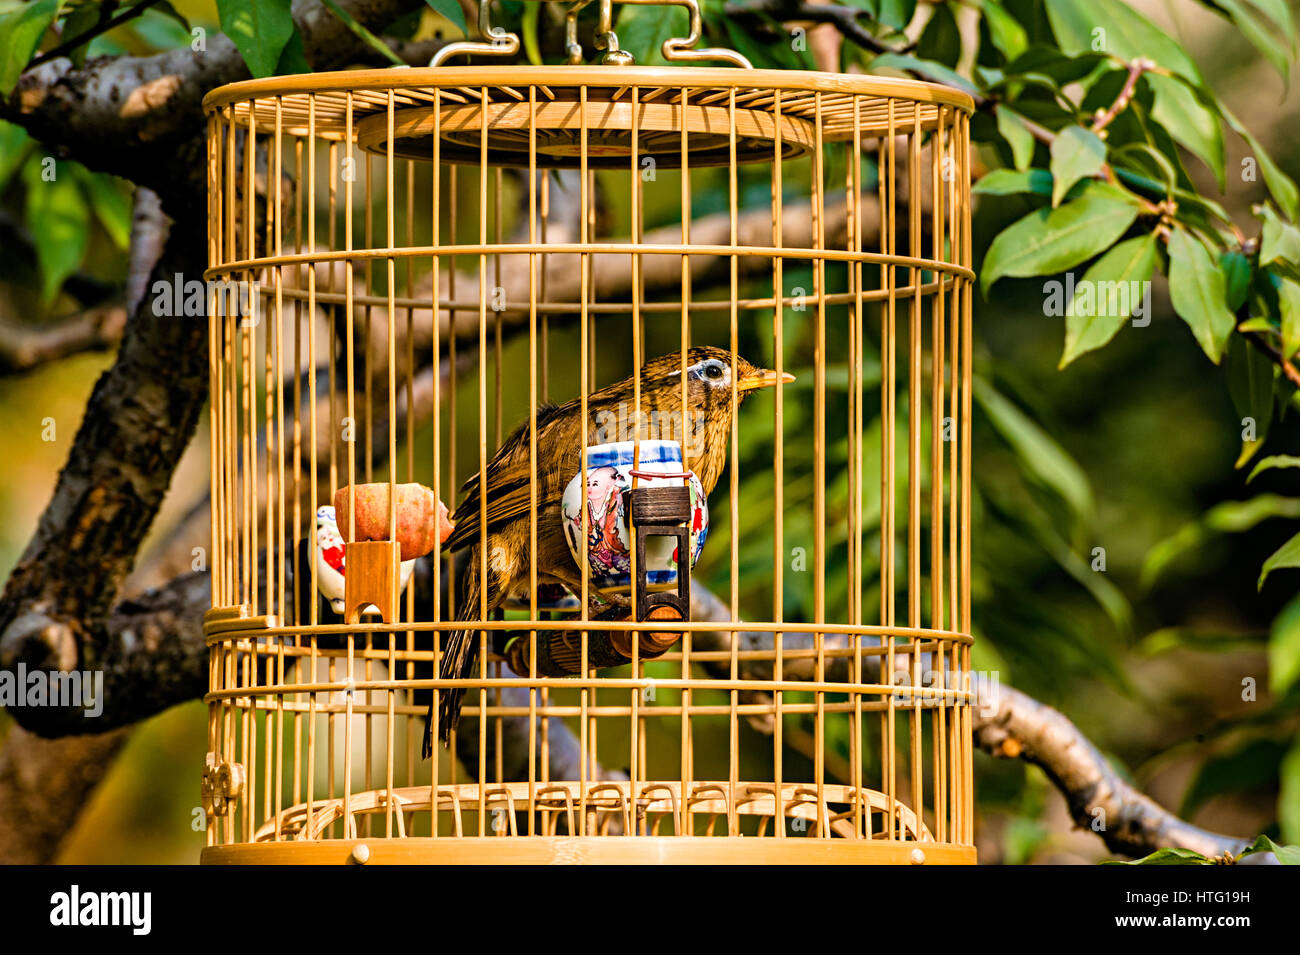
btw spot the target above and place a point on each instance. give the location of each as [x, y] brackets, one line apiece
[508, 497]
[508, 480]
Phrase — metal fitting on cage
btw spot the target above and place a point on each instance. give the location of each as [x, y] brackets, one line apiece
[223, 784]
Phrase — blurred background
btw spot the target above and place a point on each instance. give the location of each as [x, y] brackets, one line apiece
[1130, 449]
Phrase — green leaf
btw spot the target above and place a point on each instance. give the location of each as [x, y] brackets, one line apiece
[642, 30]
[1280, 13]
[1251, 767]
[1011, 125]
[58, 221]
[1286, 556]
[930, 70]
[1197, 288]
[1048, 241]
[1077, 153]
[111, 206]
[1279, 241]
[360, 31]
[940, 41]
[1127, 263]
[1274, 461]
[1236, 277]
[293, 58]
[1005, 31]
[20, 34]
[450, 10]
[892, 13]
[1259, 34]
[1281, 185]
[1250, 386]
[1284, 649]
[78, 22]
[1165, 856]
[1114, 27]
[14, 147]
[1226, 517]
[167, 10]
[1177, 108]
[528, 28]
[259, 29]
[1042, 458]
[1051, 62]
[1288, 301]
[1009, 182]
[1286, 855]
[1133, 260]
[1288, 803]
[1169, 639]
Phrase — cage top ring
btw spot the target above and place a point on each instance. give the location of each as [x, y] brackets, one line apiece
[675, 111]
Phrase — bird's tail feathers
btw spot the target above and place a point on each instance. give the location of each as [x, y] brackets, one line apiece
[458, 655]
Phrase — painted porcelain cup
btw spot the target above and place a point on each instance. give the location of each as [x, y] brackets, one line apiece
[609, 545]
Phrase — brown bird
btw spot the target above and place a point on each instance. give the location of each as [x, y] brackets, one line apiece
[559, 445]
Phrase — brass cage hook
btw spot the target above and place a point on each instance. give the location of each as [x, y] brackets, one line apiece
[499, 42]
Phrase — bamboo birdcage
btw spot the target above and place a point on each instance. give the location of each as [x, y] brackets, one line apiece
[393, 226]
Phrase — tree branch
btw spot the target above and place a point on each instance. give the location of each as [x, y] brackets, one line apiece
[1015, 725]
[141, 118]
[23, 349]
[159, 659]
[105, 23]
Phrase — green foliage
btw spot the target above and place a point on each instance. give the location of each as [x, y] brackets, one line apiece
[1117, 199]
[1286, 855]
[1227, 517]
[57, 217]
[1077, 153]
[1198, 290]
[259, 29]
[1249, 767]
[1284, 649]
[1052, 240]
[452, 11]
[20, 34]
[1115, 28]
[1167, 856]
[642, 30]
[1133, 260]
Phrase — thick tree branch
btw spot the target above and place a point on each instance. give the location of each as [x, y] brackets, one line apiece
[1013, 724]
[141, 117]
[138, 421]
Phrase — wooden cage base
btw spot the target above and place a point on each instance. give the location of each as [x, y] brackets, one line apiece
[591, 850]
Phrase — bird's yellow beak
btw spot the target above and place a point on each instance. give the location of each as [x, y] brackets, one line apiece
[764, 378]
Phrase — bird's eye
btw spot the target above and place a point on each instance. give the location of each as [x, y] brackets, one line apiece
[713, 370]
